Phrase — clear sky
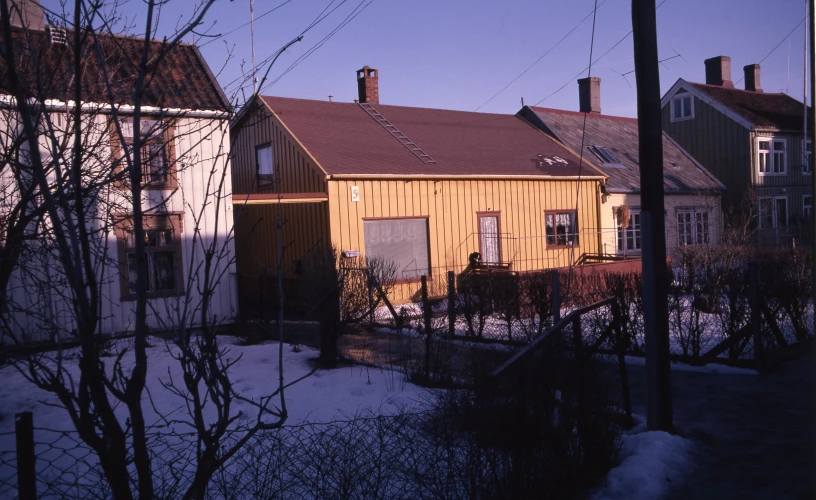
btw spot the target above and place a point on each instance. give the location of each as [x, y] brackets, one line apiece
[457, 54]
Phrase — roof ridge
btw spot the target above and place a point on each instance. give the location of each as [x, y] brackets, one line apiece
[579, 113]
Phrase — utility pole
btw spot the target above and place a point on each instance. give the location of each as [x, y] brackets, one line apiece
[252, 35]
[652, 218]
[811, 22]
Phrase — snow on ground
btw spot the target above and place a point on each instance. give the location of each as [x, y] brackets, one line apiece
[325, 395]
[650, 463]
[708, 368]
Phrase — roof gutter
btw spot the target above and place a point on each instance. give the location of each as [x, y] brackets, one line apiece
[454, 177]
[9, 102]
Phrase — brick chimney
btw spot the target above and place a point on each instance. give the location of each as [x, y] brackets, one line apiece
[718, 72]
[26, 13]
[368, 85]
[752, 78]
[589, 95]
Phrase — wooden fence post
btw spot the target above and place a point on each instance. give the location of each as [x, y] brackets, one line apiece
[426, 313]
[26, 467]
[370, 285]
[451, 304]
[556, 297]
[753, 284]
[620, 344]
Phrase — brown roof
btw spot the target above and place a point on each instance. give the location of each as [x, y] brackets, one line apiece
[764, 110]
[345, 139]
[619, 135]
[179, 79]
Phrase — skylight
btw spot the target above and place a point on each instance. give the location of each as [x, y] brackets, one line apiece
[604, 154]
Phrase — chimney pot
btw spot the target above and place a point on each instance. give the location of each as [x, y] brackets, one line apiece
[368, 85]
[752, 78]
[589, 95]
[718, 72]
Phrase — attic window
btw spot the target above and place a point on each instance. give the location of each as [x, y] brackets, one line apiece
[606, 156]
[57, 36]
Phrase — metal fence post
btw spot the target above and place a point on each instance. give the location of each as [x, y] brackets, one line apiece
[451, 304]
[556, 297]
[26, 468]
[426, 313]
[753, 284]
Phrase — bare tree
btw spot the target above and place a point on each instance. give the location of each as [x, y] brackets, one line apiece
[86, 131]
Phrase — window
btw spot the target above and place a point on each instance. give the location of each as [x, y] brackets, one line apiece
[629, 237]
[773, 212]
[772, 156]
[682, 107]
[162, 260]
[806, 168]
[266, 164]
[489, 234]
[401, 241]
[561, 228]
[157, 151]
[807, 206]
[693, 227]
[604, 154]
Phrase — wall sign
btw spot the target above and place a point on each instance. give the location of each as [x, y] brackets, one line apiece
[355, 194]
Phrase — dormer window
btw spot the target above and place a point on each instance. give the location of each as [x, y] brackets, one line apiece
[682, 106]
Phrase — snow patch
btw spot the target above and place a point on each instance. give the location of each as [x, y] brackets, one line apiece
[685, 367]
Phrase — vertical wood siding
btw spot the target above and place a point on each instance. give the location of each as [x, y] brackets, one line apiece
[719, 143]
[451, 207]
[297, 172]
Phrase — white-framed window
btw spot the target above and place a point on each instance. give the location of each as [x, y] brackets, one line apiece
[693, 226]
[807, 206]
[682, 107]
[772, 156]
[628, 238]
[773, 212]
[266, 163]
[808, 155]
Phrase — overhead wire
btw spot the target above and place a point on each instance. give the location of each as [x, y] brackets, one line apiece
[222, 35]
[562, 87]
[778, 44]
[514, 80]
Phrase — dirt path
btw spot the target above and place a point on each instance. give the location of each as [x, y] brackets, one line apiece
[753, 433]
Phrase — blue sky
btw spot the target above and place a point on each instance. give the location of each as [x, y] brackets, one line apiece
[457, 54]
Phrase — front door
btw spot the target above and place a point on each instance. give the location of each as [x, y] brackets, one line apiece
[489, 245]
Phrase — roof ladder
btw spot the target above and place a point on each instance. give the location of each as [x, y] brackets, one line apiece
[394, 131]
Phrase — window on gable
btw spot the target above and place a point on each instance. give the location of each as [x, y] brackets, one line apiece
[628, 238]
[161, 262]
[266, 164]
[773, 212]
[771, 156]
[603, 154]
[561, 228]
[807, 169]
[807, 206]
[693, 227]
[682, 107]
[157, 148]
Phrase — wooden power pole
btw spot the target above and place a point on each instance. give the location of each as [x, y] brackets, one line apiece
[652, 218]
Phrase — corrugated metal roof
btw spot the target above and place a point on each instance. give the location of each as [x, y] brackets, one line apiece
[344, 139]
[620, 136]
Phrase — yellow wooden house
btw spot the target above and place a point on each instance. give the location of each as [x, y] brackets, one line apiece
[424, 188]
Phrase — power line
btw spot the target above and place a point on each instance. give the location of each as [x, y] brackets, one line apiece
[778, 44]
[217, 37]
[562, 87]
[354, 13]
[583, 127]
[591, 14]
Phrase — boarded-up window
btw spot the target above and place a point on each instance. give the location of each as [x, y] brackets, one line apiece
[266, 164]
[401, 241]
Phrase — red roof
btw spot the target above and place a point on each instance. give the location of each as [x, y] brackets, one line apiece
[178, 79]
[345, 139]
[764, 110]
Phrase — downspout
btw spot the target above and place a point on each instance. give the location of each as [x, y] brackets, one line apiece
[598, 201]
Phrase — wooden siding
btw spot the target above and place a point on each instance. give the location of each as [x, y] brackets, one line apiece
[305, 226]
[298, 173]
[451, 207]
[719, 143]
